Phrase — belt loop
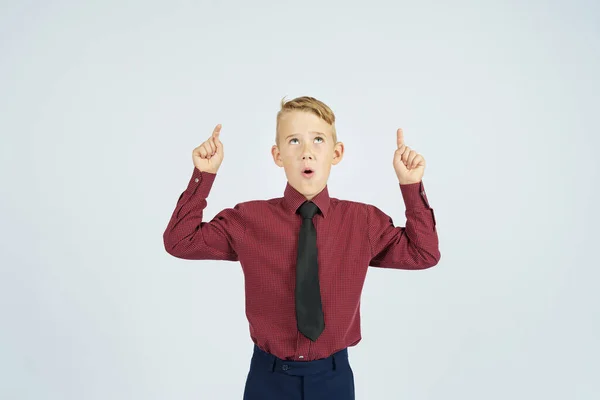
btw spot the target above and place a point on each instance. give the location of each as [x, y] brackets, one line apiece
[333, 361]
[272, 367]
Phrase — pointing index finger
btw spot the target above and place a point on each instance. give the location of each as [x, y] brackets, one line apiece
[400, 137]
[216, 131]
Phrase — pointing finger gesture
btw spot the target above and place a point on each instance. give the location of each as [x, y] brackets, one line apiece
[209, 155]
[408, 164]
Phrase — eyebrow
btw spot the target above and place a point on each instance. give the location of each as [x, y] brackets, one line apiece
[294, 134]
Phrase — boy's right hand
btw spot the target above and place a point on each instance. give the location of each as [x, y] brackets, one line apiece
[208, 156]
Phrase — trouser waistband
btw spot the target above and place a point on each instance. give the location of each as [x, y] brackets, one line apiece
[262, 359]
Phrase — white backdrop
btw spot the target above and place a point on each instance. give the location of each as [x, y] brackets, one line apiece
[102, 103]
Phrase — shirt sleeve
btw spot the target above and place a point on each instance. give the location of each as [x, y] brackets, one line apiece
[412, 247]
[188, 237]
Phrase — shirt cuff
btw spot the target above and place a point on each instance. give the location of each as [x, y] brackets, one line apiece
[414, 196]
[200, 183]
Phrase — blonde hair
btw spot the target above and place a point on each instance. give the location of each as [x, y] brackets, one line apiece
[307, 104]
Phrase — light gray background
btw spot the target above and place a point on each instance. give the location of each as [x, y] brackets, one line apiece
[102, 103]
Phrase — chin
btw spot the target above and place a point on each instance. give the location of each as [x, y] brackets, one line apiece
[310, 188]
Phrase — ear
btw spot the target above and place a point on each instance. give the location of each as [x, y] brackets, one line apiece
[338, 153]
[276, 155]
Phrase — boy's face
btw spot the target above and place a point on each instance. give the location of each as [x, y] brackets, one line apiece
[306, 142]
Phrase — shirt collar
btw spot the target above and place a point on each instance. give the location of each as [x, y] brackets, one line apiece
[294, 199]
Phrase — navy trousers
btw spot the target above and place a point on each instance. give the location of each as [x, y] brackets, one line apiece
[271, 378]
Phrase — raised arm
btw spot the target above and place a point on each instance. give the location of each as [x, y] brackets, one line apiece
[412, 247]
[186, 235]
[416, 245]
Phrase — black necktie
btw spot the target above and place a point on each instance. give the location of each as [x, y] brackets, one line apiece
[309, 311]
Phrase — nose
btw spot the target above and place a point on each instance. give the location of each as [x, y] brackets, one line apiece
[306, 153]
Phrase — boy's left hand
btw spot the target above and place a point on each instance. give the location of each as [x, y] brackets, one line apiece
[409, 165]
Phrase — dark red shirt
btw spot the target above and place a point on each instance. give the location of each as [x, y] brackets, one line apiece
[263, 236]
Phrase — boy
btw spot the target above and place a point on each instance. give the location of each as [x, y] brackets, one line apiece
[304, 255]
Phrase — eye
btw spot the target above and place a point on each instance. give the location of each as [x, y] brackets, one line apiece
[316, 138]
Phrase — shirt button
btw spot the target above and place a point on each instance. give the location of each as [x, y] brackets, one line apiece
[300, 356]
[285, 367]
[196, 180]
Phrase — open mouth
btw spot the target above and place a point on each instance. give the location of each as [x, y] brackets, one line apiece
[307, 172]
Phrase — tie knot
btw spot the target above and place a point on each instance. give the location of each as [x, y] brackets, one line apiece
[308, 209]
